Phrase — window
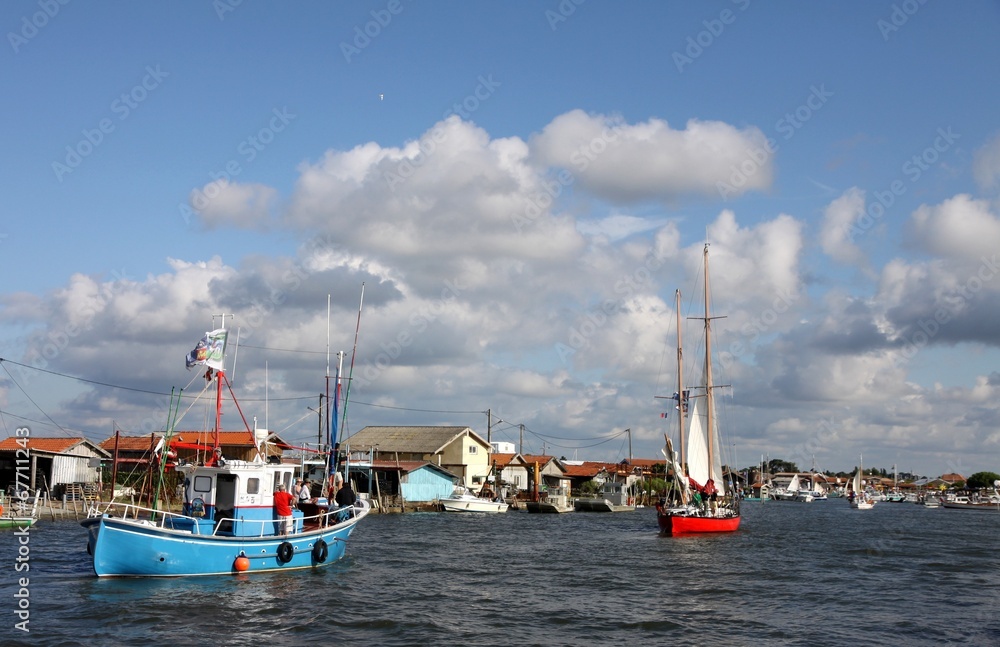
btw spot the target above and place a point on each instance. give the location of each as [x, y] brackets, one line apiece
[473, 449]
[253, 486]
[203, 484]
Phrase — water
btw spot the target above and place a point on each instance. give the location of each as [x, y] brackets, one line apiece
[795, 574]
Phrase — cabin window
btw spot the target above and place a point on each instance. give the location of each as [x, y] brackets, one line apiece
[472, 449]
[253, 486]
[203, 484]
[277, 480]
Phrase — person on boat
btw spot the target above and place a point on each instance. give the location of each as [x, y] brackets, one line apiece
[346, 496]
[216, 460]
[711, 494]
[283, 502]
[302, 492]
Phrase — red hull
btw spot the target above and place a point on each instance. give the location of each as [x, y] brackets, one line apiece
[678, 525]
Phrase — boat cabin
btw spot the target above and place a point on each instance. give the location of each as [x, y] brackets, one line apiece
[235, 496]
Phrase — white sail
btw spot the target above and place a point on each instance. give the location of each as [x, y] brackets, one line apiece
[697, 449]
[793, 485]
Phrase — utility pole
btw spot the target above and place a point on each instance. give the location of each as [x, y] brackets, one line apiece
[520, 444]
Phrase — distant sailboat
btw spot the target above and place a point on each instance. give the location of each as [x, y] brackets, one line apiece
[858, 498]
[705, 505]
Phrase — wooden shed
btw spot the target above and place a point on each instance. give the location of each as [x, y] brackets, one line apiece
[49, 464]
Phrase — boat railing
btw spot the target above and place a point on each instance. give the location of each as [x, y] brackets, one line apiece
[165, 518]
[331, 517]
[140, 513]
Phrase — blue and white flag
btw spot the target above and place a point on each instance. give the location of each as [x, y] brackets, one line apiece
[210, 351]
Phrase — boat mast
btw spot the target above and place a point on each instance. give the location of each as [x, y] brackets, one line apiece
[709, 396]
[680, 381]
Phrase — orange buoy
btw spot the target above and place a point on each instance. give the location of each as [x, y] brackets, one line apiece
[241, 564]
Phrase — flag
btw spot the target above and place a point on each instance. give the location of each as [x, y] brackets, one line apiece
[210, 351]
[663, 415]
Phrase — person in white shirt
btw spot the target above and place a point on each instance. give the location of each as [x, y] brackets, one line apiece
[302, 492]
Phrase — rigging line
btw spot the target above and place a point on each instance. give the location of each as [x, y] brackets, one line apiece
[285, 350]
[146, 391]
[620, 433]
[66, 431]
[80, 379]
[386, 406]
[42, 422]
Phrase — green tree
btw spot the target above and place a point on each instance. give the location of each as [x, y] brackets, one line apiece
[777, 465]
[982, 480]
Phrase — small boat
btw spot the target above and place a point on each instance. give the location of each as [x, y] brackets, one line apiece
[613, 497]
[229, 523]
[556, 501]
[704, 504]
[794, 492]
[15, 512]
[989, 504]
[931, 501]
[858, 496]
[462, 500]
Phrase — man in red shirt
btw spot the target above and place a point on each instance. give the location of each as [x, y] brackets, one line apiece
[283, 509]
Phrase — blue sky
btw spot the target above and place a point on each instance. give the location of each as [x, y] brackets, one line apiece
[414, 147]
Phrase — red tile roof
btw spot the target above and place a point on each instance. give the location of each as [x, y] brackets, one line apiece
[130, 443]
[56, 445]
[141, 443]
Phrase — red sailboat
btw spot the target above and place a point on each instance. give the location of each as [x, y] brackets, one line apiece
[700, 501]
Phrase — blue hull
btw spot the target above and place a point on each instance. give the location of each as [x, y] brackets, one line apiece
[131, 548]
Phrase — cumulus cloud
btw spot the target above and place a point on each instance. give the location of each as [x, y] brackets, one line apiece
[986, 165]
[839, 218]
[244, 206]
[960, 228]
[627, 163]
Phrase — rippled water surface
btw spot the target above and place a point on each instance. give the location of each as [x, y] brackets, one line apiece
[795, 574]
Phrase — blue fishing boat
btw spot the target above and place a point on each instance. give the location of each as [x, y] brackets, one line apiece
[229, 522]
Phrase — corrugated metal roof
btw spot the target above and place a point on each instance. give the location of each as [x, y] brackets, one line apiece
[416, 440]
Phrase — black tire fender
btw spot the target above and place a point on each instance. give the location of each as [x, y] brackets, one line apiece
[285, 552]
[320, 551]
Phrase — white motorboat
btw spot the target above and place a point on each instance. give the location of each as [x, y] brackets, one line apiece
[462, 500]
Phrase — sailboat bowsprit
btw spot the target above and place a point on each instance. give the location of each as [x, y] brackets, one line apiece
[229, 522]
[700, 501]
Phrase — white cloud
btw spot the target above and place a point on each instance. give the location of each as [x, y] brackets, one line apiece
[651, 161]
[838, 220]
[960, 227]
[244, 206]
[986, 165]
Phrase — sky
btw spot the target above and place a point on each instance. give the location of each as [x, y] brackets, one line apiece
[517, 190]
